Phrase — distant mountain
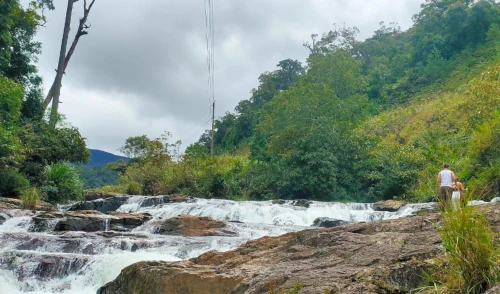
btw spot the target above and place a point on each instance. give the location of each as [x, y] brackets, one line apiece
[99, 157]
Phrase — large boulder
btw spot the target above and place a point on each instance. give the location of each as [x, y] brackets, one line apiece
[326, 222]
[28, 265]
[302, 202]
[103, 205]
[14, 203]
[187, 225]
[389, 256]
[88, 221]
[388, 205]
[127, 221]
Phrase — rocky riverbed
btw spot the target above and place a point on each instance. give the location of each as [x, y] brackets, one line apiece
[178, 244]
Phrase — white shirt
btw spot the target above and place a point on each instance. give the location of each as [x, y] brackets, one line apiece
[446, 179]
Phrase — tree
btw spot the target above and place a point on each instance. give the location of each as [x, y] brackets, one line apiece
[64, 57]
[306, 130]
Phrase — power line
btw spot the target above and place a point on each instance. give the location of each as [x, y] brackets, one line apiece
[210, 39]
[194, 134]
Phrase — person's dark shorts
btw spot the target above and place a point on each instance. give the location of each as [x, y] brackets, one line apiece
[445, 193]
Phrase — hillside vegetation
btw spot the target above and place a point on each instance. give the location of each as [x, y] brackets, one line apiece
[33, 152]
[359, 121]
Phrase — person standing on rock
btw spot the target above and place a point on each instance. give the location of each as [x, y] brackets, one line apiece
[444, 184]
[458, 192]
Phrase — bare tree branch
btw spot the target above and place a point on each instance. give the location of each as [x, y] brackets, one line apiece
[81, 31]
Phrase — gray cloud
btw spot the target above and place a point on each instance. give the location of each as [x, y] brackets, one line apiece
[142, 68]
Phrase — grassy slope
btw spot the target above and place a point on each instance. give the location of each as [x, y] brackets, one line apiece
[442, 122]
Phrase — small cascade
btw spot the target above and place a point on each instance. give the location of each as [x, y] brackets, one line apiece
[263, 212]
[135, 203]
[105, 224]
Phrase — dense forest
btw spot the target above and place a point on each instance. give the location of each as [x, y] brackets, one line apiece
[34, 153]
[360, 120]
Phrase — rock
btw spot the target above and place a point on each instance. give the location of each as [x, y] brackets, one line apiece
[88, 221]
[388, 205]
[103, 205]
[494, 290]
[388, 256]
[302, 202]
[13, 203]
[494, 200]
[3, 217]
[42, 266]
[326, 222]
[172, 280]
[279, 201]
[128, 221]
[91, 195]
[187, 225]
[177, 198]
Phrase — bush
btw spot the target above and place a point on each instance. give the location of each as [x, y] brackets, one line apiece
[12, 183]
[63, 184]
[471, 261]
[30, 198]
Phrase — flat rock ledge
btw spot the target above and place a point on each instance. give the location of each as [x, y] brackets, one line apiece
[188, 225]
[88, 221]
[14, 203]
[389, 256]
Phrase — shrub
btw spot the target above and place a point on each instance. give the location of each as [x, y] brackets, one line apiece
[12, 183]
[134, 189]
[30, 197]
[63, 184]
[471, 260]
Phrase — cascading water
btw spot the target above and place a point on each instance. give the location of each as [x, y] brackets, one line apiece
[42, 261]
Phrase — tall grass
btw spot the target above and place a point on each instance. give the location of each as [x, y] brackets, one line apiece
[30, 197]
[471, 259]
[63, 184]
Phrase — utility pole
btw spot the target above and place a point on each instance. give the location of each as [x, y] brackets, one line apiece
[212, 134]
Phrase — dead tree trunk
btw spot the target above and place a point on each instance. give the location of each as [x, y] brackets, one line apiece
[60, 65]
[55, 90]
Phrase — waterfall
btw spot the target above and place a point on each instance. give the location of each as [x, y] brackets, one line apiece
[42, 261]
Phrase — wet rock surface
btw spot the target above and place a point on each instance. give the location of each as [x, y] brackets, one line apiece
[326, 222]
[381, 257]
[186, 225]
[302, 202]
[42, 266]
[388, 205]
[88, 221]
[102, 204]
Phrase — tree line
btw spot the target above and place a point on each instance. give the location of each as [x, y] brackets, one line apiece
[360, 120]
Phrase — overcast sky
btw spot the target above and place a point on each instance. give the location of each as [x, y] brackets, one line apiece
[142, 69]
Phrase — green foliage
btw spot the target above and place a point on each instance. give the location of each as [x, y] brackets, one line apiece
[471, 263]
[63, 184]
[306, 130]
[360, 121]
[12, 183]
[30, 197]
[97, 176]
[27, 143]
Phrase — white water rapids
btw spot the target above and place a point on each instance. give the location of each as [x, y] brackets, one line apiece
[80, 263]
